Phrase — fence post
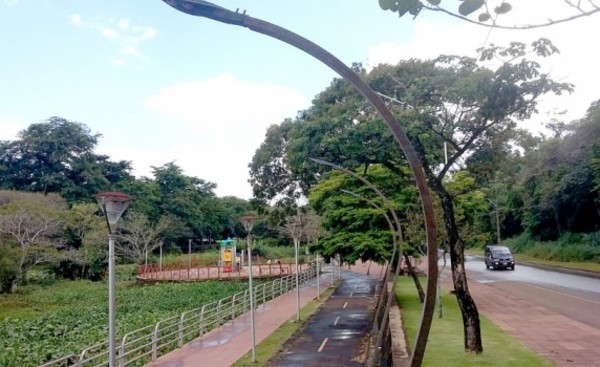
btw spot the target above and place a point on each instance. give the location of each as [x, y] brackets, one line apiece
[180, 334]
[219, 312]
[201, 321]
[233, 307]
[155, 342]
[121, 352]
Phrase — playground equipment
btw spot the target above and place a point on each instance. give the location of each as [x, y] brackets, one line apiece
[229, 256]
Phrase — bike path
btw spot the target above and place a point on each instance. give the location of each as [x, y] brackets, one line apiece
[334, 335]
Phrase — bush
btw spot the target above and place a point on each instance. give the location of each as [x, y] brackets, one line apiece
[573, 247]
[8, 269]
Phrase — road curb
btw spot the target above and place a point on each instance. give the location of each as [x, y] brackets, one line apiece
[561, 269]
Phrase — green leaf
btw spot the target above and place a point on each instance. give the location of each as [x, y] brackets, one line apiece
[434, 2]
[469, 6]
[503, 8]
[385, 4]
[484, 17]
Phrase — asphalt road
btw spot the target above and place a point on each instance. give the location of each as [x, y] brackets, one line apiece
[573, 296]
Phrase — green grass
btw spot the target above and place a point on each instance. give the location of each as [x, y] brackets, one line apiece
[274, 343]
[445, 344]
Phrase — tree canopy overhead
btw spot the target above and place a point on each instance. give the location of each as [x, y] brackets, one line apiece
[490, 13]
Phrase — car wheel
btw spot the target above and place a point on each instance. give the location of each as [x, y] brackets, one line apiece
[513, 268]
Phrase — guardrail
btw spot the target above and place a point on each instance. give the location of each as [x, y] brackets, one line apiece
[148, 343]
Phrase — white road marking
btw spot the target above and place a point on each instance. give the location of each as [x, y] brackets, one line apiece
[322, 345]
[351, 293]
[345, 304]
[336, 321]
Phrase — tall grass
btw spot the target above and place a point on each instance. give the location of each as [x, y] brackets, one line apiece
[571, 247]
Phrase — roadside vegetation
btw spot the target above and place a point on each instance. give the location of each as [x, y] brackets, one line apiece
[445, 343]
[42, 322]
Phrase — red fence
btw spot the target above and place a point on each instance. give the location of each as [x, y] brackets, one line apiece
[156, 272]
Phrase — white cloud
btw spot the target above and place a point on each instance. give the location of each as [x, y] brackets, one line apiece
[109, 33]
[122, 33]
[575, 64]
[76, 20]
[10, 3]
[10, 128]
[228, 119]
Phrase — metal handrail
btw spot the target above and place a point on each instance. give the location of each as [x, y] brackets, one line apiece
[152, 341]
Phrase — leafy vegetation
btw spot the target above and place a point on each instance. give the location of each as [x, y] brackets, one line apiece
[41, 323]
[572, 247]
[488, 13]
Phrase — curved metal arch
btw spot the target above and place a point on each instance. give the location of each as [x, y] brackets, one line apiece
[208, 10]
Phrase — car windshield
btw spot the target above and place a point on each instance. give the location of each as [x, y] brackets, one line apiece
[501, 252]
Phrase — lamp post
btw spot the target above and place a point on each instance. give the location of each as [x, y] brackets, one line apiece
[248, 222]
[295, 226]
[113, 205]
[497, 214]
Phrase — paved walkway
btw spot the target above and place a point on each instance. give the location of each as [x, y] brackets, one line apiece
[223, 346]
[561, 340]
[334, 336]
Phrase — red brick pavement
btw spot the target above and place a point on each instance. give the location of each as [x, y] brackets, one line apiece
[561, 340]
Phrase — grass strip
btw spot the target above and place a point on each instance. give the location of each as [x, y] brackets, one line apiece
[272, 344]
[445, 344]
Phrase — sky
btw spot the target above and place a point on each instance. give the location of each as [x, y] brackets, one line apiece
[162, 86]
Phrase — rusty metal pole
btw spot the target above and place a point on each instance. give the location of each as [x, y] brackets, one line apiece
[208, 10]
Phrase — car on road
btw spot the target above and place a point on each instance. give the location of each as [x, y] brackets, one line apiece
[498, 257]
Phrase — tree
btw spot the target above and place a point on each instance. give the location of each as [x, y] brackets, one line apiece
[190, 200]
[57, 156]
[489, 12]
[33, 224]
[85, 230]
[138, 236]
[448, 101]
[462, 105]
[556, 181]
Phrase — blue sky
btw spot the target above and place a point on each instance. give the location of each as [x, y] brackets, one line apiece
[164, 86]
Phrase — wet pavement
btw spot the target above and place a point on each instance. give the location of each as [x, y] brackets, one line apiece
[334, 336]
[224, 345]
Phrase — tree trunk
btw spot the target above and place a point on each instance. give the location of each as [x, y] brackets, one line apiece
[411, 272]
[468, 309]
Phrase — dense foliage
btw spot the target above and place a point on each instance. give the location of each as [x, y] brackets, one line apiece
[48, 215]
[44, 323]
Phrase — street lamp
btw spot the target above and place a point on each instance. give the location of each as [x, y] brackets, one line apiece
[113, 205]
[248, 222]
[295, 227]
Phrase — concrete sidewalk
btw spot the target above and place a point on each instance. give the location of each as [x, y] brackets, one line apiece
[226, 344]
